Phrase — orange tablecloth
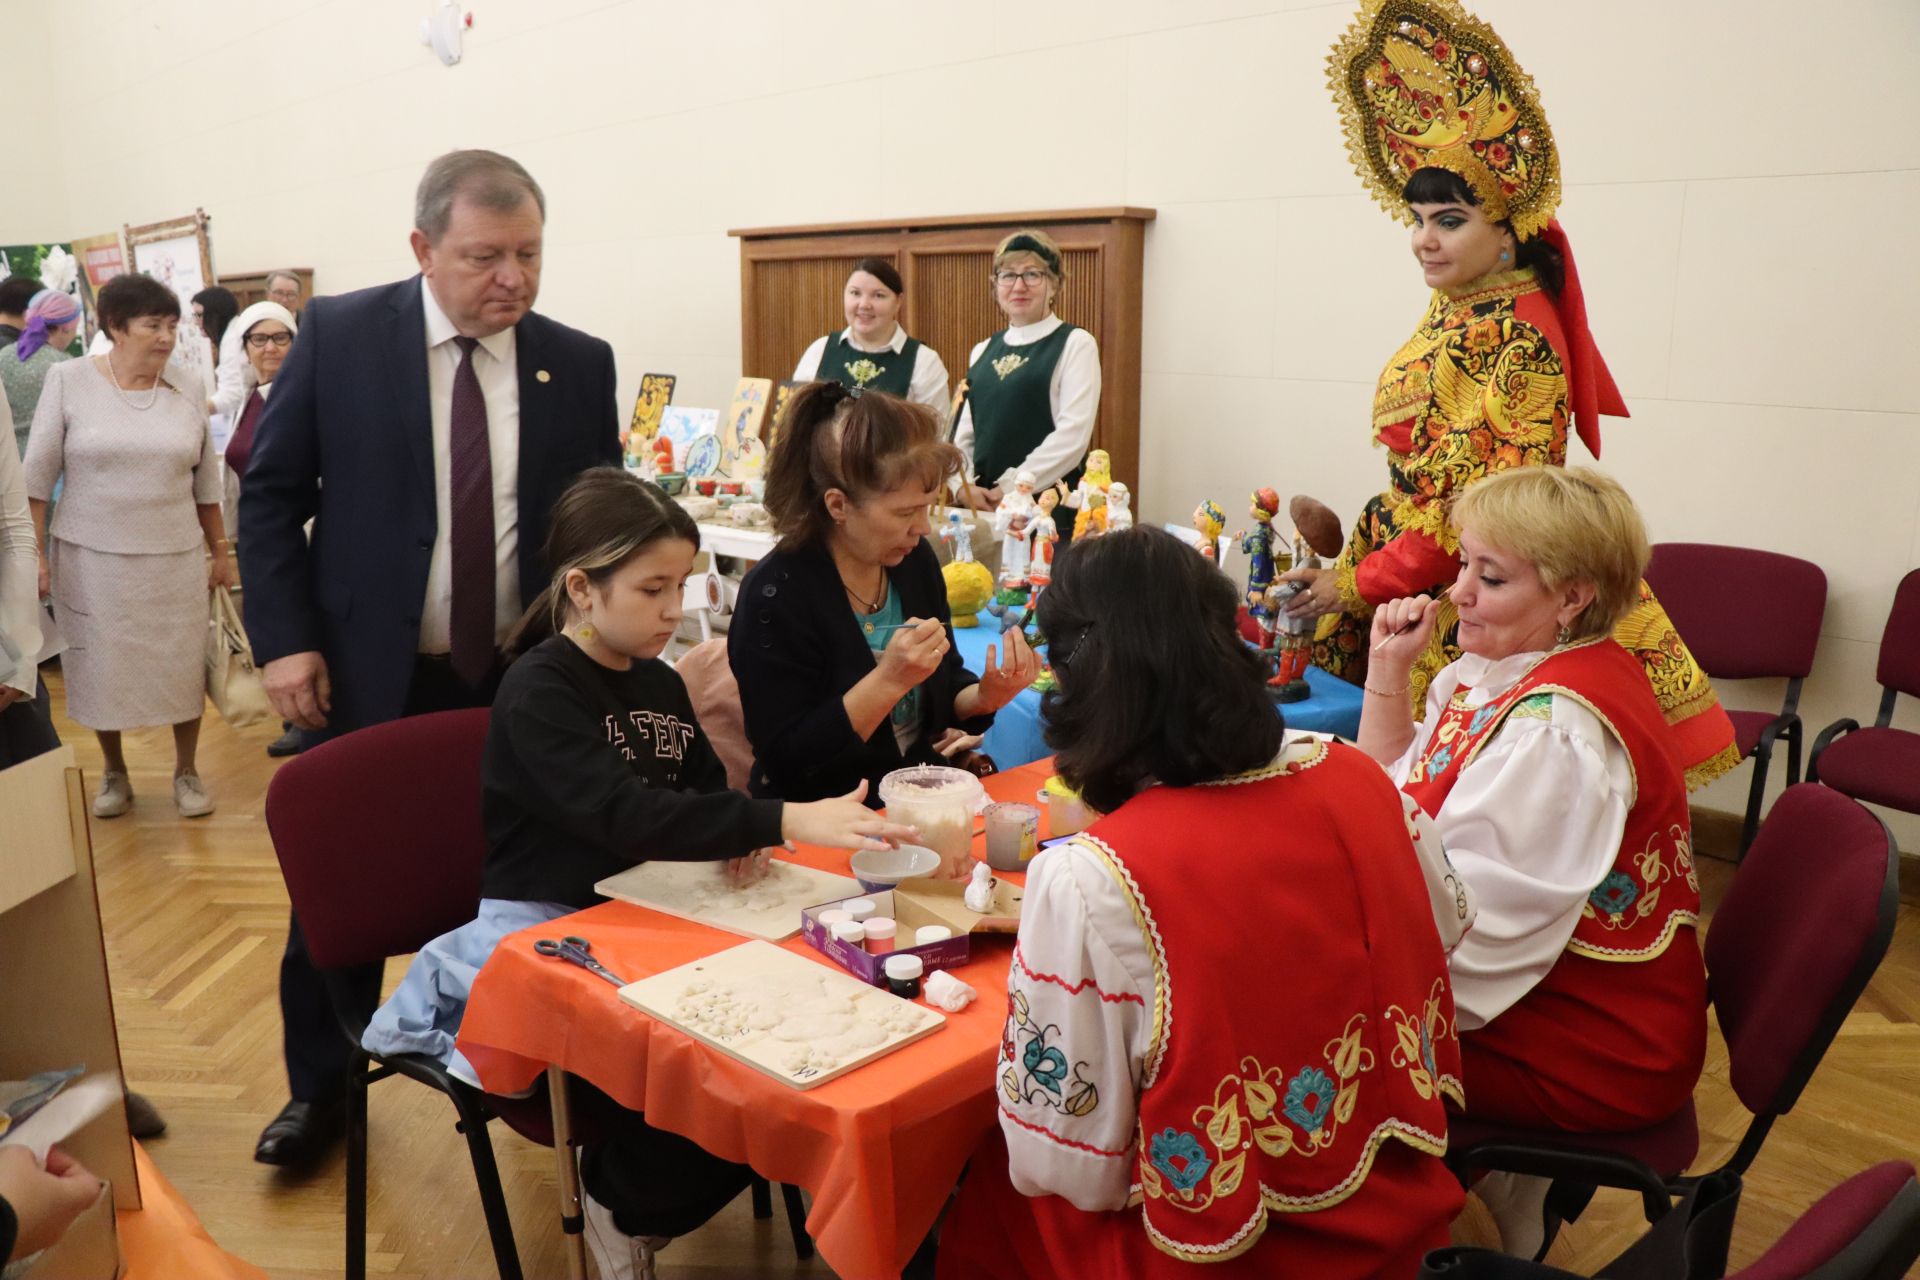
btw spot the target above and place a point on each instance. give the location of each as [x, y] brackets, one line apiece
[163, 1239]
[879, 1148]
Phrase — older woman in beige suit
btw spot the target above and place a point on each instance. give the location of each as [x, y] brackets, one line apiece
[129, 542]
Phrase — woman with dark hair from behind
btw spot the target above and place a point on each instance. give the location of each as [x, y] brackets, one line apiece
[595, 762]
[843, 643]
[1225, 991]
[874, 352]
[1502, 364]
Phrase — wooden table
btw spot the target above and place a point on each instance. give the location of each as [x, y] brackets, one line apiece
[879, 1148]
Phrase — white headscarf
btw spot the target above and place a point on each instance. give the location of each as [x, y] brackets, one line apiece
[252, 316]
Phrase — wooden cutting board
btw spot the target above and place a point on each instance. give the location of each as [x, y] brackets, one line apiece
[796, 1019]
[698, 891]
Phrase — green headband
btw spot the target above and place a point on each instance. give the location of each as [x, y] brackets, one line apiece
[1027, 244]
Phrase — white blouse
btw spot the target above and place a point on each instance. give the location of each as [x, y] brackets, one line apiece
[1075, 922]
[929, 386]
[1533, 824]
[1075, 398]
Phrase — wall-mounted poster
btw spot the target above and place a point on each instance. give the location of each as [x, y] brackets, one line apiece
[656, 393]
[101, 258]
[53, 265]
[179, 255]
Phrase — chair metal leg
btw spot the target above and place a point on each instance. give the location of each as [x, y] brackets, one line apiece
[493, 1199]
[762, 1198]
[572, 1225]
[797, 1221]
[1756, 793]
[357, 1167]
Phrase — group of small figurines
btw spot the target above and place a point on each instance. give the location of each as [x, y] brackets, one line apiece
[1028, 528]
[1285, 641]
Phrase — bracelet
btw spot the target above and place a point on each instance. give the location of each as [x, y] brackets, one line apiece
[1382, 693]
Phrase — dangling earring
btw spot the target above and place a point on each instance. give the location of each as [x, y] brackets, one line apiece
[1564, 636]
[1505, 256]
[586, 632]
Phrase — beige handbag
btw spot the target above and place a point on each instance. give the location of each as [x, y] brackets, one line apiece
[233, 682]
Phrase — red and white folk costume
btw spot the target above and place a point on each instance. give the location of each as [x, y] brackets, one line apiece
[1581, 993]
[1229, 1039]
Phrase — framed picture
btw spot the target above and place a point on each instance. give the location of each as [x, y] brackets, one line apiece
[744, 419]
[782, 394]
[683, 426]
[179, 255]
[656, 393]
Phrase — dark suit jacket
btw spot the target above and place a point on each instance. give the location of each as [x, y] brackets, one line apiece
[347, 440]
[796, 650]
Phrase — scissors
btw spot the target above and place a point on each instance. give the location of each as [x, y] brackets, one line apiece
[578, 951]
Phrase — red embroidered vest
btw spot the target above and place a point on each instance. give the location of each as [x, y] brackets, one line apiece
[1652, 889]
[1302, 1014]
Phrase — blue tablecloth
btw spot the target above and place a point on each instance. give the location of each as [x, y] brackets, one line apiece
[1016, 737]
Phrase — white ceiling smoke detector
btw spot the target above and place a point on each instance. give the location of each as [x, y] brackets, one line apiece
[443, 30]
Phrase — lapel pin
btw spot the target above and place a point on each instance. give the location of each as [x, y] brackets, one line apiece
[543, 376]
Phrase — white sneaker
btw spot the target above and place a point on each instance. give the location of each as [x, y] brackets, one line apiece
[618, 1255]
[191, 796]
[116, 795]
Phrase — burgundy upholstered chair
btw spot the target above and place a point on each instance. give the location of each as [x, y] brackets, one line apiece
[379, 837]
[1747, 614]
[1881, 764]
[1867, 1228]
[1800, 932]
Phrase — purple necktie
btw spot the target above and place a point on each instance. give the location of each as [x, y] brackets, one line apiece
[471, 620]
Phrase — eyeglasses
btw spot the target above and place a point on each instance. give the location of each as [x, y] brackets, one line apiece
[284, 295]
[1029, 277]
[261, 341]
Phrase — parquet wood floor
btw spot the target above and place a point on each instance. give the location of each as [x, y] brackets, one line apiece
[195, 918]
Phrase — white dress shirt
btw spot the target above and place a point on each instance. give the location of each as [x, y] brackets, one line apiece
[929, 386]
[1533, 824]
[1076, 399]
[496, 366]
[1076, 920]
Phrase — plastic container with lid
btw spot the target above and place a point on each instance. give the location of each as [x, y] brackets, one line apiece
[927, 933]
[881, 933]
[903, 976]
[858, 908]
[942, 802]
[851, 932]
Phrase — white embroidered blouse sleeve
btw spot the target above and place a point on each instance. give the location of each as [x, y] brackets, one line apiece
[1076, 401]
[233, 375]
[1533, 824]
[963, 433]
[809, 367]
[930, 385]
[1080, 1018]
[1447, 890]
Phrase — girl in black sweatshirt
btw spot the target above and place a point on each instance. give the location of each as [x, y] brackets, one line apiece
[595, 762]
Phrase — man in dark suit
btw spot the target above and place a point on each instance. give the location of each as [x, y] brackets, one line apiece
[426, 428]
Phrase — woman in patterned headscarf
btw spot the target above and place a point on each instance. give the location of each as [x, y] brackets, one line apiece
[52, 320]
[1448, 134]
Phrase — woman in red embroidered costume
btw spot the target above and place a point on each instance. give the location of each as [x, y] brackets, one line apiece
[1545, 762]
[1229, 1035]
[1447, 131]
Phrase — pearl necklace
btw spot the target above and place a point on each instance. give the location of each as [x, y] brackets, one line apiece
[125, 399]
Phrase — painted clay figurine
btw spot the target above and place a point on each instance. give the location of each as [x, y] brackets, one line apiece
[1044, 533]
[1258, 546]
[1210, 521]
[959, 531]
[1089, 500]
[1119, 508]
[1010, 526]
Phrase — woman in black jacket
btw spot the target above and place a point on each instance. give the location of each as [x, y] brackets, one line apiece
[842, 642]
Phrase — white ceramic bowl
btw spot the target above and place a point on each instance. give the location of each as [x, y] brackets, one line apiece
[886, 867]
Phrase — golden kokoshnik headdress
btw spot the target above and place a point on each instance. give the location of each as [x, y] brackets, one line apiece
[1424, 83]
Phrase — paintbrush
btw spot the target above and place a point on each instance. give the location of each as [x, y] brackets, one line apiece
[1444, 593]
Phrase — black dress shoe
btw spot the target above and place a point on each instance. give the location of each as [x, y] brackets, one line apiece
[302, 1131]
[143, 1118]
[290, 743]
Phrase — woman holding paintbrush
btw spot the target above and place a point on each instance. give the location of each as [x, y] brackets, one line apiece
[842, 642]
[1543, 761]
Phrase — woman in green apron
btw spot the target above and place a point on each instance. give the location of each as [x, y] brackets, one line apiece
[873, 352]
[1034, 387]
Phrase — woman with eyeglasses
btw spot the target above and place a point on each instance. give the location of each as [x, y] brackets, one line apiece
[1034, 387]
[1229, 1029]
[267, 330]
[874, 352]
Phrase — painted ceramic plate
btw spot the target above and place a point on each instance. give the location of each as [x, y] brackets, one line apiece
[703, 456]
